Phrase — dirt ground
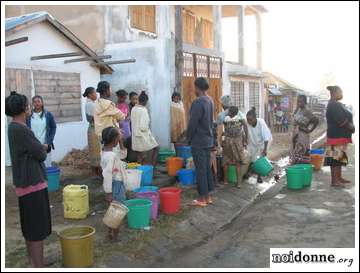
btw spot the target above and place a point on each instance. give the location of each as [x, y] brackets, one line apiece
[130, 242]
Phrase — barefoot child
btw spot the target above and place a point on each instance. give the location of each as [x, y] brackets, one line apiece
[113, 170]
[234, 145]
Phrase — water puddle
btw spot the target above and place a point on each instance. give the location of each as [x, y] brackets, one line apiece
[283, 162]
[321, 212]
[280, 196]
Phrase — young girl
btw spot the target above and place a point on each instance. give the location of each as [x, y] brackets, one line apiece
[142, 140]
[234, 143]
[113, 171]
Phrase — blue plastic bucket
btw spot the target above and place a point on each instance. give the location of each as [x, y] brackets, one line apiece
[186, 176]
[146, 189]
[183, 152]
[317, 151]
[147, 174]
[53, 175]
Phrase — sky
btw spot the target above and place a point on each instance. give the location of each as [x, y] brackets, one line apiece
[303, 43]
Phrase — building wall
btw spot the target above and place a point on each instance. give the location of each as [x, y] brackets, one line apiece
[118, 26]
[71, 134]
[81, 20]
[154, 69]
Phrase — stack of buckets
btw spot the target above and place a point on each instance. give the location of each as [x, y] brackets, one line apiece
[184, 152]
[149, 199]
[299, 176]
[317, 157]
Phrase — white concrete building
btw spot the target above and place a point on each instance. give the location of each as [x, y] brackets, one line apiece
[60, 84]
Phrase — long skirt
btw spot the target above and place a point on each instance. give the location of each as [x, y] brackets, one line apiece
[234, 151]
[300, 148]
[94, 147]
[35, 215]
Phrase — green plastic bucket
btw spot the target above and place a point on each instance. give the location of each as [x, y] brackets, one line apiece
[139, 214]
[262, 166]
[308, 173]
[232, 177]
[164, 154]
[295, 178]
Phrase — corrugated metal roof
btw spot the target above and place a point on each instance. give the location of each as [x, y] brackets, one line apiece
[275, 91]
[13, 22]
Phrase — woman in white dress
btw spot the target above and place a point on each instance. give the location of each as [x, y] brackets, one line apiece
[142, 139]
[259, 137]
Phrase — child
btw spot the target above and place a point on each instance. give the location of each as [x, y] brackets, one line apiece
[134, 100]
[285, 123]
[124, 124]
[234, 152]
[113, 171]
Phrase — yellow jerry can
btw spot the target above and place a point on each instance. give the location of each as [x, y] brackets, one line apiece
[76, 201]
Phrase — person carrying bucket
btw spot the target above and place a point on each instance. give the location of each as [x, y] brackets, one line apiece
[234, 145]
[201, 139]
[259, 137]
[114, 172]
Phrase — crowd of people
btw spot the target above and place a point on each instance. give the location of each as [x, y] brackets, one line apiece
[119, 130]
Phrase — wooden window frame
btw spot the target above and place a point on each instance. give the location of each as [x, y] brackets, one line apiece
[189, 26]
[207, 33]
[142, 24]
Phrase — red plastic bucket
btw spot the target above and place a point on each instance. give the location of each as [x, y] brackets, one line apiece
[170, 200]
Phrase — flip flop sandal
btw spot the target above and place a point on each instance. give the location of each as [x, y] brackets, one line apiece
[211, 202]
[198, 203]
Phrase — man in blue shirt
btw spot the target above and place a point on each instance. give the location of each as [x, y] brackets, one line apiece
[201, 139]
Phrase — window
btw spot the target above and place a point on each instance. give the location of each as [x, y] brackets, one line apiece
[61, 93]
[237, 93]
[207, 33]
[215, 67]
[202, 66]
[188, 65]
[188, 27]
[143, 17]
[254, 98]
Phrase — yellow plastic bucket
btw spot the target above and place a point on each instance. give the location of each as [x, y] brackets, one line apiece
[76, 201]
[77, 246]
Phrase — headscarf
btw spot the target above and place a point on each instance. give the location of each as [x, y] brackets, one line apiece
[226, 100]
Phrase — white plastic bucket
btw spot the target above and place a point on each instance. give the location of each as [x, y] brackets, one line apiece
[115, 214]
[133, 180]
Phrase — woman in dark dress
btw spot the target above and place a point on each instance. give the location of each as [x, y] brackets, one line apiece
[29, 178]
[340, 129]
